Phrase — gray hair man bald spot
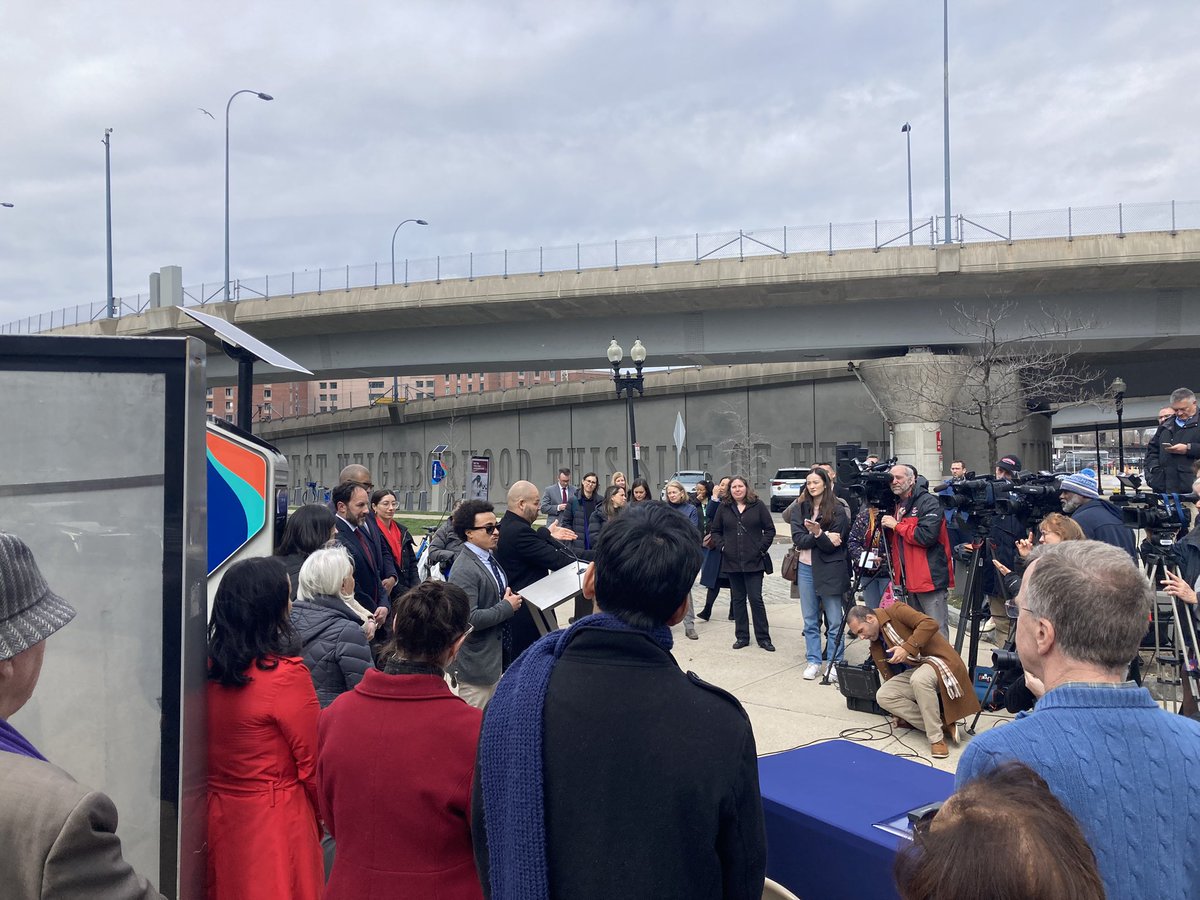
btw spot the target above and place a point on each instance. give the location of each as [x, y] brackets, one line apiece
[1096, 600]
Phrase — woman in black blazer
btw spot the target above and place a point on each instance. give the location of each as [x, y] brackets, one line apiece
[743, 531]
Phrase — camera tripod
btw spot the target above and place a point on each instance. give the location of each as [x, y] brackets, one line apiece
[1159, 556]
[975, 609]
[879, 545]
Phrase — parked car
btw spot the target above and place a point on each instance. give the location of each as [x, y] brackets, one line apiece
[787, 485]
[689, 478]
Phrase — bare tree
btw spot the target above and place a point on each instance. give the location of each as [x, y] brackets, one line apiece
[747, 450]
[1008, 370]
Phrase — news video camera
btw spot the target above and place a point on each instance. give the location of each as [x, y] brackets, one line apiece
[1029, 497]
[1148, 510]
[872, 485]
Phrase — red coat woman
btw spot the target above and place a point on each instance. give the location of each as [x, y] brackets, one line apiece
[396, 759]
[263, 831]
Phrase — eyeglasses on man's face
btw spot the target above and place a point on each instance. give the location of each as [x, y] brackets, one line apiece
[490, 527]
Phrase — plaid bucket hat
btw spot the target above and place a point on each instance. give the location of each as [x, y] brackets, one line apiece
[29, 611]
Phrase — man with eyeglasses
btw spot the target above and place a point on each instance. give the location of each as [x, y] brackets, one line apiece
[480, 662]
[1118, 762]
[1175, 446]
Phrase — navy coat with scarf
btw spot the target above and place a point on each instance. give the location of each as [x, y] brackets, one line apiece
[634, 822]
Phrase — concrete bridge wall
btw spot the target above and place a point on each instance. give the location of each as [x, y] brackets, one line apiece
[788, 414]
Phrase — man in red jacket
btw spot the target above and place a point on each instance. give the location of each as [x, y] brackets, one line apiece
[920, 546]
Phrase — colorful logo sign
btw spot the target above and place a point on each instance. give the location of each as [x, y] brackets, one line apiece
[237, 497]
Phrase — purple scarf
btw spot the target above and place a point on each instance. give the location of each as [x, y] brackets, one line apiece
[12, 741]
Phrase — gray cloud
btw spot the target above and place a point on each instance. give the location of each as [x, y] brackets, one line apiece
[519, 124]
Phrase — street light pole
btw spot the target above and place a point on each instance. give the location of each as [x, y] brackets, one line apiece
[261, 96]
[627, 384]
[907, 129]
[1118, 389]
[108, 296]
[946, 105]
[396, 232]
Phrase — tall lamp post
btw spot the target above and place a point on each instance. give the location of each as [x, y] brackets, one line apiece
[628, 384]
[906, 130]
[261, 96]
[396, 232]
[108, 296]
[946, 105]
[1118, 389]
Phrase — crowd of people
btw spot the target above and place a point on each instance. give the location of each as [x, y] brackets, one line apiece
[374, 734]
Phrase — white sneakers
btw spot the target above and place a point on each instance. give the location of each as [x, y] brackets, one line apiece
[812, 671]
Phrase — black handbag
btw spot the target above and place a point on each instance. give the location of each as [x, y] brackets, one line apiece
[768, 566]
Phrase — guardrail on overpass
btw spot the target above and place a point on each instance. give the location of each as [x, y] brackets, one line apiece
[1118, 219]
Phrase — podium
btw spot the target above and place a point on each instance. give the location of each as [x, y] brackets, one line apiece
[545, 595]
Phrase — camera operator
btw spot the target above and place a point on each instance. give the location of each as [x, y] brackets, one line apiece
[1175, 445]
[1004, 533]
[920, 546]
[1099, 519]
[1109, 753]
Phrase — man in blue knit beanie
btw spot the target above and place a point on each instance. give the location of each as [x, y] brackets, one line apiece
[1118, 762]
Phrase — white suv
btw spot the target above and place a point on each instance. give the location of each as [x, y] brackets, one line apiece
[787, 485]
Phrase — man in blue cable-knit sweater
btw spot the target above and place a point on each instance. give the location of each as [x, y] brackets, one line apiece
[1120, 764]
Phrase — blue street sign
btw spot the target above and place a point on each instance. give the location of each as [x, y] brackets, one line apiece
[436, 472]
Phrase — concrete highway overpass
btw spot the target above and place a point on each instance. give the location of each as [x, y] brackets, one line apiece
[1140, 290]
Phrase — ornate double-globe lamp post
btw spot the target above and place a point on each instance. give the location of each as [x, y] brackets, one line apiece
[627, 385]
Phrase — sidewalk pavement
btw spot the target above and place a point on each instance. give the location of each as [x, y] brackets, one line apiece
[786, 710]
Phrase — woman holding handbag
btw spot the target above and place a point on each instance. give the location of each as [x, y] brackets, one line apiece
[819, 530]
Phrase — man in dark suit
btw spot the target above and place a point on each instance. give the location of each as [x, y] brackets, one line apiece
[390, 571]
[527, 555]
[480, 660]
[351, 507]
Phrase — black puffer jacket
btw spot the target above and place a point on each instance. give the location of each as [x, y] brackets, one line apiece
[578, 517]
[333, 645]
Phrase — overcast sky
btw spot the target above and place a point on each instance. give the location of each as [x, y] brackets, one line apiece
[510, 124]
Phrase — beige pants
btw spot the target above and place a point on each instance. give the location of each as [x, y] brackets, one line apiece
[912, 696]
[1003, 622]
[476, 695]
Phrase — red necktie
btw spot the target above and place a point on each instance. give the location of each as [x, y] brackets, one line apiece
[564, 490]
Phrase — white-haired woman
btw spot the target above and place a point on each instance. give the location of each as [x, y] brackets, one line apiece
[333, 634]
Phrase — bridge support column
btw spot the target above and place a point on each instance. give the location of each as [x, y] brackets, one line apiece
[909, 389]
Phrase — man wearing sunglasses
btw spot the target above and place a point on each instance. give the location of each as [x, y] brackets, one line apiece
[479, 663]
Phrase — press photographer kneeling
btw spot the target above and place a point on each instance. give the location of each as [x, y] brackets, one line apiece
[920, 670]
